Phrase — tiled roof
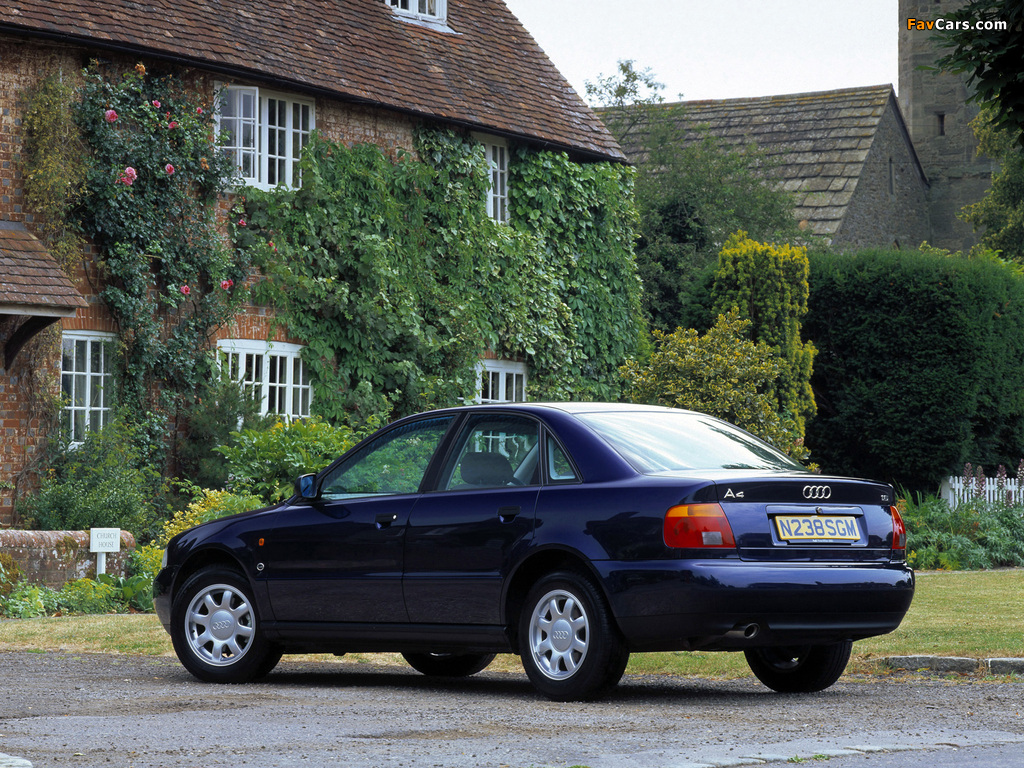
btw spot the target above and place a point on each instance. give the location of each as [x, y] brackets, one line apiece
[486, 73]
[818, 142]
[30, 281]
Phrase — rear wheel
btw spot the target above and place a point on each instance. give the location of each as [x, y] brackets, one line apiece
[570, 647]
[215, 628]
[799, 669]
[448, 664]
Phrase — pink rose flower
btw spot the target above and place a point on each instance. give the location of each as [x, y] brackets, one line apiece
[172, 125]
[128, 176]
[199, 110]
[169, 168]
[156, 103]
[186, 290]
[241, 222]
[226, 284]
[110, 115]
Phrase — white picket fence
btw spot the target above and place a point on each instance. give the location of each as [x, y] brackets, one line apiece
[954, 490]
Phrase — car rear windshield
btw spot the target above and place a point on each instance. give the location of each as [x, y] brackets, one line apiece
[665, 441]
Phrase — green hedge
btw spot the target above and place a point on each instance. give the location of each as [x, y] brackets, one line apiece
[920, 365]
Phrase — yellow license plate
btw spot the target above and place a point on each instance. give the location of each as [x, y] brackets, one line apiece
[816, 528]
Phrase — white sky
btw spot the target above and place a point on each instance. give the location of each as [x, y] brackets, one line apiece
[720, 49]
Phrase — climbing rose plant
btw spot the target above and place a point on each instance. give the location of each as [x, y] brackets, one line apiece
[154, 175]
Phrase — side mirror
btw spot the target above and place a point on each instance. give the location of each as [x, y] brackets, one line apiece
[305, 487]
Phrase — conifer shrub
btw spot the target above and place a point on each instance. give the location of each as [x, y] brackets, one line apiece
[920, 364]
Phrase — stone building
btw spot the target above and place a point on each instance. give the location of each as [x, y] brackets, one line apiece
[358, 71]
[938, 117]
[845, 156]
[865, 169]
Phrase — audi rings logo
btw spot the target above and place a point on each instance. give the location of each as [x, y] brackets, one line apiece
[221, 624]
[817, 492]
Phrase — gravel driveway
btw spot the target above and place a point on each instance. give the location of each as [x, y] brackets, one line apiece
[99, 710]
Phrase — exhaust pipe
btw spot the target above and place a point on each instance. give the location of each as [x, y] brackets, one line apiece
[743, 632]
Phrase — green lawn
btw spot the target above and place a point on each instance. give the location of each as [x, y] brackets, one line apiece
[976, 613]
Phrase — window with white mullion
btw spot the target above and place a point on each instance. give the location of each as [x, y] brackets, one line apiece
[302, 125]
[86, 382]
[301, 388]
[497, 194]
[274, 375]
[501, 381]
[239, 129]
[496, 155]
[264, 134]
[431, 10]
[275, 139]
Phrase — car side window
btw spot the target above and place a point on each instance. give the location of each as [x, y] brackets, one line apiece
[494, 451]
[560, 469]
[394, 463]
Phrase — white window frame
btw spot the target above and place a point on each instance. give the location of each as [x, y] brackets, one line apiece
[88, 385]
[501, 381]
[272, 372]
[435, 11]
[259, 122]
[496, 152]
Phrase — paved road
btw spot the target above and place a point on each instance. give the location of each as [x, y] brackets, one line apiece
[95, 710]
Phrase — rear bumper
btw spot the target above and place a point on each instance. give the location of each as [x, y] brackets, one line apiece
[731, 605]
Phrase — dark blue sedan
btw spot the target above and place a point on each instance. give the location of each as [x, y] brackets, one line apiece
[570, 534]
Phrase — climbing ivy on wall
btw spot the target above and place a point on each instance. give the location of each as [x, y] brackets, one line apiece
[393, 274]
[585, 221]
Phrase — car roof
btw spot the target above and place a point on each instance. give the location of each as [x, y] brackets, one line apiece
[573, 408]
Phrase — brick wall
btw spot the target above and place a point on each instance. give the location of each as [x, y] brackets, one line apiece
[53, 558]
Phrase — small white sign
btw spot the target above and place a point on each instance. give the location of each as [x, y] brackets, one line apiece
[105, 540]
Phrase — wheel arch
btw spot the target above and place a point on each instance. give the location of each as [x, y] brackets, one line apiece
[205, 558]
[534, 567]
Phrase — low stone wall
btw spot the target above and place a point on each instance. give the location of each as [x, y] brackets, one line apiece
[54, 558]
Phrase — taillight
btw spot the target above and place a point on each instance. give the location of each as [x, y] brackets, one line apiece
[698, 526]
[899, 531]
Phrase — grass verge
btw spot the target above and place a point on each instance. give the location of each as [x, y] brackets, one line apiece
[978, 614]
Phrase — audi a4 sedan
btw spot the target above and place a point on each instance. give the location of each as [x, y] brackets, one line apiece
[571, 534]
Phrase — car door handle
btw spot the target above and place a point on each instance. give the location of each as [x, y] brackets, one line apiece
[385, 520]
[508, 514]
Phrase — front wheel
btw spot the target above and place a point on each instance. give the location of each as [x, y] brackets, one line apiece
[448, 664]
[215, 629]
[570, 647]
[799, 669]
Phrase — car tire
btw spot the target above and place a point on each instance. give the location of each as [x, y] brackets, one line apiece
[215, 628]
[448, 664]
[799, 669]
[570, 646]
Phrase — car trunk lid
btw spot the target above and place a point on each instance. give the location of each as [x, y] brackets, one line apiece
[809, 518]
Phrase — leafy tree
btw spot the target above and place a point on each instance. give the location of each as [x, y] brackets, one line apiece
[768, 285]
[627, 97]
[722, 373]
[1000, 214]
[692, 191]
[992, 59]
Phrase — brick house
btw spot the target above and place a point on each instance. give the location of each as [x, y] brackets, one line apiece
[357, 71]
